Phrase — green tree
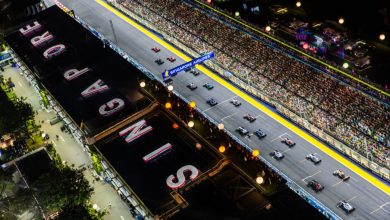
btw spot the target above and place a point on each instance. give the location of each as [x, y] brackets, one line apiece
[59, 188]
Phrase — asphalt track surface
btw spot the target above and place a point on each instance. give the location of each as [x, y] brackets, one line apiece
[370, 201]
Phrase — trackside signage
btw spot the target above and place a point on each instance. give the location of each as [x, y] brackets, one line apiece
[192, 63]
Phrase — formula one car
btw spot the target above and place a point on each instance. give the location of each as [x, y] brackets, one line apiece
[250, 118]
[260, 134]
[341, 175]
[288, 142]
[316, 186]
[192, 86]
[242, 131]
[277, 155]
[314, 158]
[344, 205]
[156, 49]
[171, 59]
[235, 102]
[195, 72]
[212, 102]
[208, 86]
[159, 61]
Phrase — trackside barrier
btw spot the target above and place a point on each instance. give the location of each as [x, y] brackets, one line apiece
[381, 171]
[290, 183]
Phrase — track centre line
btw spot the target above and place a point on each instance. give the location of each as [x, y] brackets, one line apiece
[330, 152]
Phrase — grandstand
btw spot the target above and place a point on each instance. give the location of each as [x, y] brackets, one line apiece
[341, 110]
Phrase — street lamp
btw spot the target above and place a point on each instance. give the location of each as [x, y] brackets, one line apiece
[237, 14]
[198, 146]
[221, 126]
[268, 28]
[221, 149]
[259, 180]
[192, 104]
[191, 124]
[298, 4]
[168, 105]
[345, 65]
[382, 37]
[255, 153]
[170, 88]
[341, 20]
[142, 84]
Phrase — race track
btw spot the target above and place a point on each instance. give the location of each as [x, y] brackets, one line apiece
[370, 202]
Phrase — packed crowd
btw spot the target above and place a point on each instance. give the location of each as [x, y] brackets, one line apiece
[353, 117]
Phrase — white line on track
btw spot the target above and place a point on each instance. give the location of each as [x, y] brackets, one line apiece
[260, 116]
[227, 116]
[20, 84]
[216, 105]
[352, 198]
[337, 183]
[381, 207]
[122, 218]
[311, 175]
[62, 138]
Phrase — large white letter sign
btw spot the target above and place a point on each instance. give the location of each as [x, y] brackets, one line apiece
[96, 87]
[181, 179]
[111, 107]
[156, 153]
[135, 131]
[29, 28]
[54, 51]
[74, 73]
[38, 40]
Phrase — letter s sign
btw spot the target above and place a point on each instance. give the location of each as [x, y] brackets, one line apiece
[176, 183]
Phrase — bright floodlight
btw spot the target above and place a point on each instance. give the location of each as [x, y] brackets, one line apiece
[341, 21]
[259, 180]
[268, 28]
[237, 14]
[168, 105]
[142, 84]
[198, 146]
[221, 126]
[298, 4]
[382, 37]
[192, 104]
[191, 124]
[255, 153]
[345, 65]
[170, 88]
[221, 148]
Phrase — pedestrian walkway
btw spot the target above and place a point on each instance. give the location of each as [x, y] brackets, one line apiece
[69, 150]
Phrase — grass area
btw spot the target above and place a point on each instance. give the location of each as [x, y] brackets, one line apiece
[35, 142]
[96, 163]
[54, 155]
[44, 98]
